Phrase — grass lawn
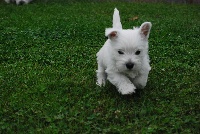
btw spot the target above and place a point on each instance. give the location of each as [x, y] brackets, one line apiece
[48, 63]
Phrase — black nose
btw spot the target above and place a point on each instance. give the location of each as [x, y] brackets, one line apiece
[21, 2]
[129, 65]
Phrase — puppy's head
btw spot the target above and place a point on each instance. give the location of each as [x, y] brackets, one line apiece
[129, 47]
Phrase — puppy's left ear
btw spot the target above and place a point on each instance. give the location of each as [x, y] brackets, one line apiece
[111, 33]
[145, 29]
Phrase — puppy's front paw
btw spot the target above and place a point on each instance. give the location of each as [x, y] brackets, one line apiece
[101, 78]
[101, 82]
[127, 89]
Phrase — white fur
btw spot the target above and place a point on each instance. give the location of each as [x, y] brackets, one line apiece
[113, 66]
[116, 20]
[18, 2]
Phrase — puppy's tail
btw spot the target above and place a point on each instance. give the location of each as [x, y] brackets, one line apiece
[116, 19]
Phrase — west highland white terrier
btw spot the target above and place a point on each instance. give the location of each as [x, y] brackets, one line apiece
[124, 59]
[18, 2]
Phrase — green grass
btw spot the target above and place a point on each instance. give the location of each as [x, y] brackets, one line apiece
[48, 62]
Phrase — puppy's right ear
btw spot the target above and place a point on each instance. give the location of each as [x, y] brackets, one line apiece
[111, 33]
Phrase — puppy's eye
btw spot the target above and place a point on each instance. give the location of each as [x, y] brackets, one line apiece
[137, 52]
[120, 52]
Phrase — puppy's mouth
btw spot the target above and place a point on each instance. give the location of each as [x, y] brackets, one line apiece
[131, 73]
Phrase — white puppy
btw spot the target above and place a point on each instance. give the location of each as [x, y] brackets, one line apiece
[18, 2]
[123, 59]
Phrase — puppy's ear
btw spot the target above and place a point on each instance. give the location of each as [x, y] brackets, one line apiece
[145, 29]
[116, 19]
[111, 33]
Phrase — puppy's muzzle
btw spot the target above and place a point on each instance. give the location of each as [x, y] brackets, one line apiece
[129, 65]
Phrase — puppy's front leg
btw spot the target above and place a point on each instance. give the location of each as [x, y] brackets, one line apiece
[141, 81]
[124, 85]
[101, 78]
